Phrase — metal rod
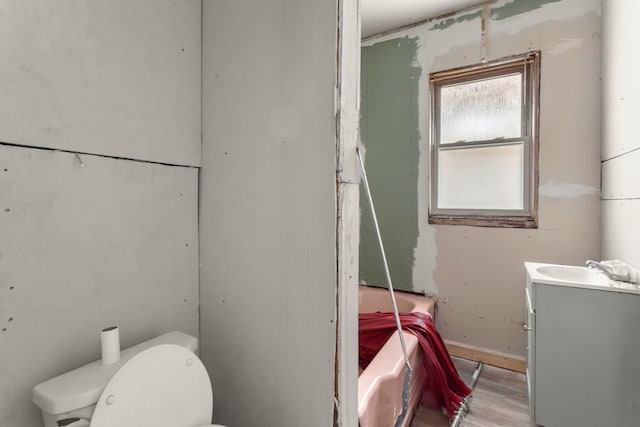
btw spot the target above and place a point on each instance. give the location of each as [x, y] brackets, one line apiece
[384, 259]
[476, 375]
[406, 388]
[464, 405]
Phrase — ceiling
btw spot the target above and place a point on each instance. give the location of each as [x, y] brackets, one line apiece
[383, 15]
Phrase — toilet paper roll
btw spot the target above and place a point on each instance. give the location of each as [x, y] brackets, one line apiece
[110, 339]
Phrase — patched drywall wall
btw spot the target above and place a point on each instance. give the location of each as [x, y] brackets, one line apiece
[119, 78]
[389, 111]
[477, 273]
[268, 211]
[88, 242]
[620, 133]
[89, 239]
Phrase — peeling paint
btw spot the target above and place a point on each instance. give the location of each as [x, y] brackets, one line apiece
[513, 8]
[517, 7]
[446, 23]
[563, 190]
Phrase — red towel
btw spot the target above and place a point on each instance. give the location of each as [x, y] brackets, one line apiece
[444, 382]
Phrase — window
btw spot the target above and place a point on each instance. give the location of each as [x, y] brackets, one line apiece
[484, 144]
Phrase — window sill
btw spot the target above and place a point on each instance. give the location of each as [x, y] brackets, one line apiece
[494, 221]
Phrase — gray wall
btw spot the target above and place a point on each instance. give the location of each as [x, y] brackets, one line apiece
[118, 78]
[621, 134]
[477, 273]
[268, 211]
[93, 240]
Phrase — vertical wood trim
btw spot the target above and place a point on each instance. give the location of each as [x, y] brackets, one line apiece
[348, 220]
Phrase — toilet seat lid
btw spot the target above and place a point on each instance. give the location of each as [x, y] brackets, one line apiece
[164, 386]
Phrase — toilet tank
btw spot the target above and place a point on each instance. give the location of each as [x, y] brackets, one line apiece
[75, 393]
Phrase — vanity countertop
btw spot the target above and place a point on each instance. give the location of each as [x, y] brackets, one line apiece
[577, 277]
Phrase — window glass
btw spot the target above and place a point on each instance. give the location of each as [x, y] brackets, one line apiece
[486, 177]
[484, 146]
[481, 110]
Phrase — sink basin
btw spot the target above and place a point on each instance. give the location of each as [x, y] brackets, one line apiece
[572, 274]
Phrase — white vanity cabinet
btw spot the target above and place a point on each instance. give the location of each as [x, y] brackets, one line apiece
[583, 351]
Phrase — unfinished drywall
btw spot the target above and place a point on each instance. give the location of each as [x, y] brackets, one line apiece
[268, 211]
[117, 77]
[620, 133]
[390, 76]
[88, 242]
[477, 273]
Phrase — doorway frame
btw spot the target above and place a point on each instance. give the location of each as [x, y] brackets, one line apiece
[347, 211]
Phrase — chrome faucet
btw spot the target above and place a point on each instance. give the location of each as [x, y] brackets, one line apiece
[608, 271]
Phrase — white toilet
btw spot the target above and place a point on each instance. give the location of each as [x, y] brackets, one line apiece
[158, 383]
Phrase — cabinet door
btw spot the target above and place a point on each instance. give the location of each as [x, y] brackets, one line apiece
[586, 366]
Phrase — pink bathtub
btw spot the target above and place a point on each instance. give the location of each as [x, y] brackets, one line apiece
[380, 384]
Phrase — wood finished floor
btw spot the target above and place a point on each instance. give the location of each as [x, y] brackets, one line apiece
[499, 399]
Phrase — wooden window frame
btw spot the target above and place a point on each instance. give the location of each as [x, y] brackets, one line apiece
[529, 67]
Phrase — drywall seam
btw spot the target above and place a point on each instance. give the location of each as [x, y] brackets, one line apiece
[620, 155]
[120, 78]
[78, 153]
[565, 190]
[85, 247]
[395, 31]
[564, 46]
[484, 36]
[620, 198]
[498, 13]
[446, 23]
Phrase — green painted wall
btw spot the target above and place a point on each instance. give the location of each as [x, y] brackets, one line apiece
[516, 7]
[389, 132]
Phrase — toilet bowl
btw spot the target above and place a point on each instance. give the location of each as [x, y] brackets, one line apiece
[159, 383]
